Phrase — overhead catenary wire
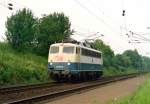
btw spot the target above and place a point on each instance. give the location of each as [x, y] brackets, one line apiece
[144, 38]
[139, 36]
[148, 33]
[95, 15]
[103, 13]
[123, 14]
[133, 34]
[102, 20]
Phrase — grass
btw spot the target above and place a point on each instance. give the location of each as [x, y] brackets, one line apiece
[20, 68]
[141, 96]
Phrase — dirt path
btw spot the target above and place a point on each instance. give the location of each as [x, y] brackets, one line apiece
[103, 94]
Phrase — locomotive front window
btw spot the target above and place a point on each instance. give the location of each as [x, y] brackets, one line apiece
[68, 50]
[54, 49]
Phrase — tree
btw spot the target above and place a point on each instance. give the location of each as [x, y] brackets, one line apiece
[136, 59]
[121, 60]
[50, 29]
[145, 63]
[20, 31]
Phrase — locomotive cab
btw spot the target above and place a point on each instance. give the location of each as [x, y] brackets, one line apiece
[61, 60]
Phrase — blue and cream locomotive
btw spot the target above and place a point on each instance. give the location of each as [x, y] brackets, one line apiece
[74, 61]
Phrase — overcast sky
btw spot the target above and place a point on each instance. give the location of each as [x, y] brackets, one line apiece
[91, 16]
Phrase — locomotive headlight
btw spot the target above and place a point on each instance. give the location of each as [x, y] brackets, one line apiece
[68, 63]
[51, 63]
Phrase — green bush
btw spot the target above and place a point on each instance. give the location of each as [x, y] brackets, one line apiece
[16, 68]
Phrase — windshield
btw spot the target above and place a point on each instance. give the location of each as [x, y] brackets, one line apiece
[68, 49]
[54, 49]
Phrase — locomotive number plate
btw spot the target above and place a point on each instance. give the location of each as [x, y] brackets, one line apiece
[60, 67]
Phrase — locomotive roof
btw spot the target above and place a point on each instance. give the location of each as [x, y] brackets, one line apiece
[71, 44]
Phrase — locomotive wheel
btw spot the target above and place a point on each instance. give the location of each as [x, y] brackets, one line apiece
[70, 78]
[84, 76]
[55, 77]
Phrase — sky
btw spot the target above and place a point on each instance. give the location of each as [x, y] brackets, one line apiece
[90, 17]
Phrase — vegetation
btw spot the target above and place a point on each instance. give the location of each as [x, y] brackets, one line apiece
[17, 67]
[141, 96]
[128, 62]
[25, 32]
[26, 35]
[20, 29]
[50, 29]
[145, 63]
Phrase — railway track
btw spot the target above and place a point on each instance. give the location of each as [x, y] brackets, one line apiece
[50, 91]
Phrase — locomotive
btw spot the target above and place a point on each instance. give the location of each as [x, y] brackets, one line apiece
[69, 61]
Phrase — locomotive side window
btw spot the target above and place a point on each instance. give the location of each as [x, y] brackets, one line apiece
[90, 53]
[86, 52]
[54, 49]
[98, 55]
[68, 50]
